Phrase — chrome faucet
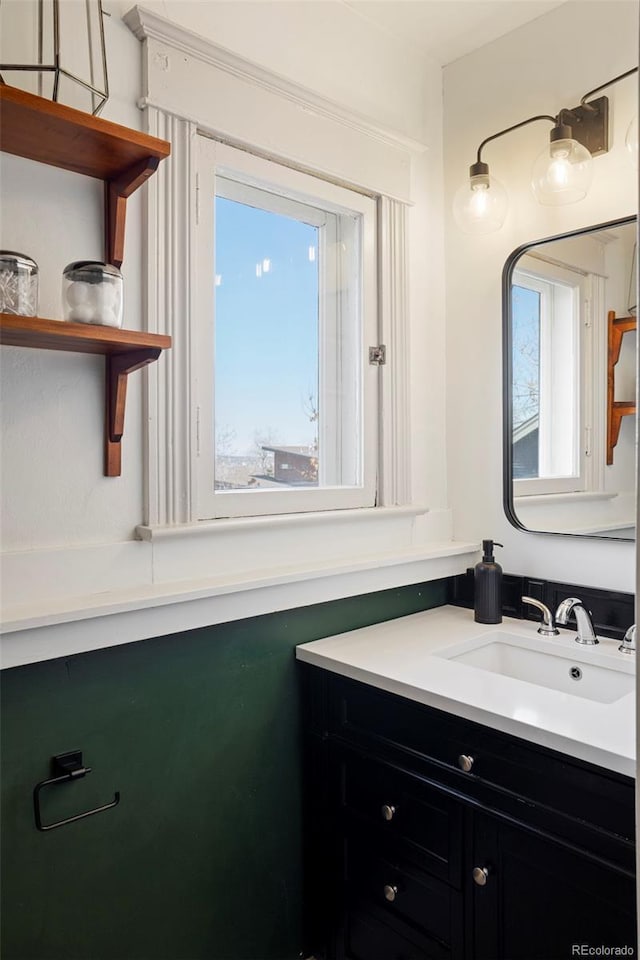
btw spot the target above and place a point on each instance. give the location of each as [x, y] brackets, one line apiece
[586, 634]
[628, 645]
[547, 626]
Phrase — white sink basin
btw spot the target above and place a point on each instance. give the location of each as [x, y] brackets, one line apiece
[583, 672]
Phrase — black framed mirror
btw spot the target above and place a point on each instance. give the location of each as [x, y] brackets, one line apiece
[569, 369]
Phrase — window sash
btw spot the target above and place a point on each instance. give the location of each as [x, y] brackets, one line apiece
[241, 173]
[554, 283]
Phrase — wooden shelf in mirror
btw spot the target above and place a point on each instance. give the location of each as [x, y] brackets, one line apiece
[616, 409]
[60, 136]
[124, 351]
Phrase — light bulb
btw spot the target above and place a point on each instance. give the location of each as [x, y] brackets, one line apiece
[559, 171]
[631, 141]
[480, 204]
[562, 173]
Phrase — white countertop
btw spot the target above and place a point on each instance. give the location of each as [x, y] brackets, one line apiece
[398, 656]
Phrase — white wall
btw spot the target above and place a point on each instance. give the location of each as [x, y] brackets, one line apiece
[53, 491]
[54, 494]
[539, 68]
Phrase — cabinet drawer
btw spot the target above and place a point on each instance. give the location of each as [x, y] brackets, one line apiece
[403, 896]
[386, 723]
[402, 809]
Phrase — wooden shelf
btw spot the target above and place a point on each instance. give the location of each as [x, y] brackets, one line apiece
[17, 331]
[124, 351]
[60, 136]
[124, 159]
[616, 409]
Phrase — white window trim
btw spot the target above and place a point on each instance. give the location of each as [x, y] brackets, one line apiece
[245, 103]
[170, 239]
[584, 496]
[243, 167]
[592, 379]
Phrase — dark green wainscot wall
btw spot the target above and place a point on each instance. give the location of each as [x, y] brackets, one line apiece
[200, 734]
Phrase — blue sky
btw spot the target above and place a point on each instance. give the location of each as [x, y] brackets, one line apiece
[525, 336]
[266, 336]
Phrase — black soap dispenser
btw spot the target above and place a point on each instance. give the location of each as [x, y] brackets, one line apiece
[488, 586]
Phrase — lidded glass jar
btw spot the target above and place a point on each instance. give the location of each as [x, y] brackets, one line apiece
[92, 293]
[18, 284]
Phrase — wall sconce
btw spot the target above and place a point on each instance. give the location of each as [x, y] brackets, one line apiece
[562, 172]
[62, 49]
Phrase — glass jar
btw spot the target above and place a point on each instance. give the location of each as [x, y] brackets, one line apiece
[18, 284]
[92, 293]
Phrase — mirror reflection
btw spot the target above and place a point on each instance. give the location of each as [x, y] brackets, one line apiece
[570, 383]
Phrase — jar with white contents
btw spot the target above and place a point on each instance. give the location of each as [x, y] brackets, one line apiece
[92, 293]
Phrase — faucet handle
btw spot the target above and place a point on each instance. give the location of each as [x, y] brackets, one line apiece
[547, 626]
[628, 644]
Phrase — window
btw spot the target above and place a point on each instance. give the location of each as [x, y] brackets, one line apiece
[286, 401]
[552, 396]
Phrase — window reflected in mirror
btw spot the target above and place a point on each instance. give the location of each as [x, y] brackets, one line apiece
[569, 428]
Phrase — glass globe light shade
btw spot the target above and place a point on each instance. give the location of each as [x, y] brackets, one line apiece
[631, 141]
[480, 205]
[562, 173]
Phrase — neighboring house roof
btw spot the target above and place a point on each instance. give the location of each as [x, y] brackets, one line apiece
[300, 451]
[525, 428]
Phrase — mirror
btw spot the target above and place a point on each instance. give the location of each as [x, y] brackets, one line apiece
[569, 358]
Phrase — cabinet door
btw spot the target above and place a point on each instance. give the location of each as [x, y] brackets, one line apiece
[366, 938]
[539, 899]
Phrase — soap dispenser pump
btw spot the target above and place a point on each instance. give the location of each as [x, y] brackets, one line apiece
[488, 586]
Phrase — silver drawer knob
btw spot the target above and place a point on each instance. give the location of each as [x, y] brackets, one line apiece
[480, 875]
[387, 811]
[390, 892]
[465, 762]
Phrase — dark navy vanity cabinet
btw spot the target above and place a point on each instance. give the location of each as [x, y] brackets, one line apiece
[429, 836]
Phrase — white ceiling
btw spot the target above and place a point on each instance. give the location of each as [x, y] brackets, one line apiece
[448, 29]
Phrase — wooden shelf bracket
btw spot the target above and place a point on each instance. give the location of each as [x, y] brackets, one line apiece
[118, 366]
[52, 133]
[116, 194]
[616, 409]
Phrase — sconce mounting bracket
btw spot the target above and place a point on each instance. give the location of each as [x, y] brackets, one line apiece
[590, 124]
